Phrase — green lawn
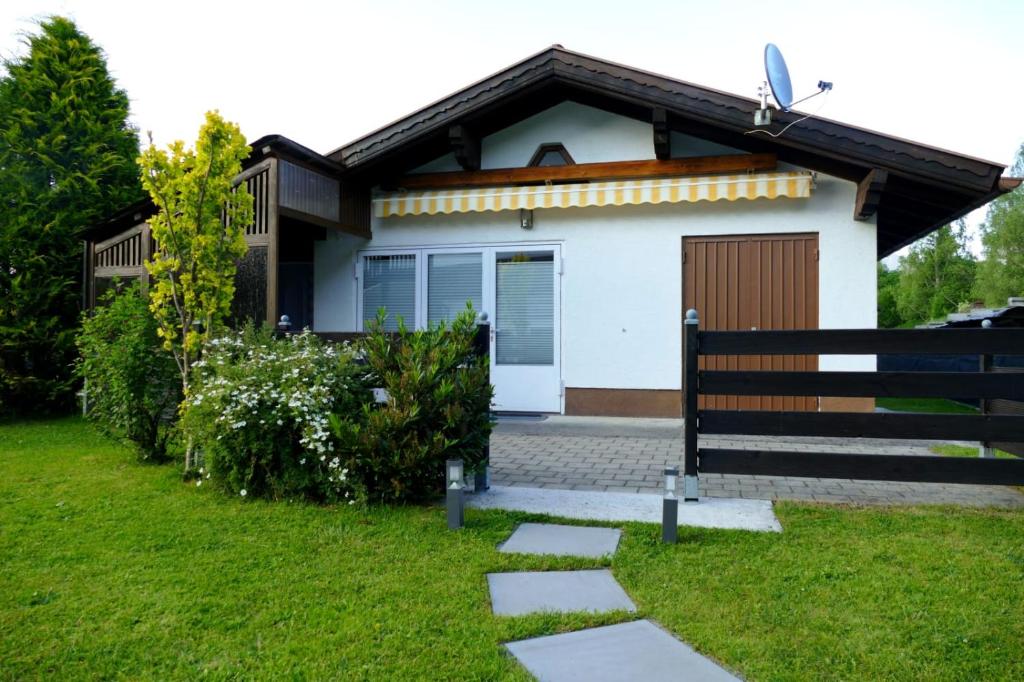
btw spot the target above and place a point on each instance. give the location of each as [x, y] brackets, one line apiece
[951, 450]
[113, 569]
[932, 405]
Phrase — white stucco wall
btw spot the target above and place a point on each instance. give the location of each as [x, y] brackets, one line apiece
[621, 291]
[590, 135]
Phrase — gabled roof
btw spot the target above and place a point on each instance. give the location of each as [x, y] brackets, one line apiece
[926, 187]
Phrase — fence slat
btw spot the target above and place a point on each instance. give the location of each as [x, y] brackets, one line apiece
[864, 467]
[863, 384]
[863, 425]
[862, 341]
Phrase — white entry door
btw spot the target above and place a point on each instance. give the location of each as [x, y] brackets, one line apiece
[525, 339]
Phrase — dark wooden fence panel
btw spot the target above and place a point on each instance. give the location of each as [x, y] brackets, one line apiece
[863, 384]
[935, 469]
[863, 341]
[863, 425]
[990, 387]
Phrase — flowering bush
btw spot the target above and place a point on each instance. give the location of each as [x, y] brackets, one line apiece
[438, 408]
[259, 410]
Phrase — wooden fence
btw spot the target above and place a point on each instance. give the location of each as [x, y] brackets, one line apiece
[938, 469]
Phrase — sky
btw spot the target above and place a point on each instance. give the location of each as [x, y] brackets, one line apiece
[324, 73]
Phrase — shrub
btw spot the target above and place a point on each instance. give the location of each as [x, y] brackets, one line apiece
[438, 408]
[259, 409]
[132, 384]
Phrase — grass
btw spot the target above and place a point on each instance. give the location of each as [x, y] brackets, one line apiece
[113, 569]
[931, 405]
[950, 450]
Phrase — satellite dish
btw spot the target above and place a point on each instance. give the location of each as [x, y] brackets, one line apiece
[778, 76]
[781, 89]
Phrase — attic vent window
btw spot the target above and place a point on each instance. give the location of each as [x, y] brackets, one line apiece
[551, 155]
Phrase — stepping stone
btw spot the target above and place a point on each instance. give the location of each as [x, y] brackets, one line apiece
[639, 650]
[548, 538]
[516, 594]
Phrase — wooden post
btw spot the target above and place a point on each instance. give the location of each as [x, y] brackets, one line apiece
[273, 245]
[985, 365]
[482, 348]
[691, 491]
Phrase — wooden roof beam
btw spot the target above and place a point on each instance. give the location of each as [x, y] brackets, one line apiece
[465, 146]
[662, 134]
[614, 170]
[869, 193]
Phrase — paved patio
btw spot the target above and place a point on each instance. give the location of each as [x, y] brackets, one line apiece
[628, 455]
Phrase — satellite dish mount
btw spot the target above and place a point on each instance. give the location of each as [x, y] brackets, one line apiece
[777, 84]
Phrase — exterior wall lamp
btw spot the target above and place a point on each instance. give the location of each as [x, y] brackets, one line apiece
[454, 498]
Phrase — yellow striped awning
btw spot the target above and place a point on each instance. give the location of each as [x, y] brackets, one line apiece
[795, 185]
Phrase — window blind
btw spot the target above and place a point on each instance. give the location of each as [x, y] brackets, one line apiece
[453, 279]
[525, 311]
[389, 282]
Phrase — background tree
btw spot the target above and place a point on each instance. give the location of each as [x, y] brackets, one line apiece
[1001, 273]
[936, 276]
[888, 288]
[199, 228]
[67, 159]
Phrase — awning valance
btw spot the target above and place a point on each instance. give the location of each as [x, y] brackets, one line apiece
[795, 185]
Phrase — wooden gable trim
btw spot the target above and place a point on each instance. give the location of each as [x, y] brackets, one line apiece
[465, 146]
[697, 165]
[662, 134]
[869, 193]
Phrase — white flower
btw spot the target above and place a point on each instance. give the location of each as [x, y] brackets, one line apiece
[242, 492]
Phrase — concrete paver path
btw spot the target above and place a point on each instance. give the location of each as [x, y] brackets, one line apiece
[629, 455]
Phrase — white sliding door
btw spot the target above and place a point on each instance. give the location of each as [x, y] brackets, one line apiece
[517, 286]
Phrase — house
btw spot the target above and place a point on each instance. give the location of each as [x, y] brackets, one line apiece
[584, 205]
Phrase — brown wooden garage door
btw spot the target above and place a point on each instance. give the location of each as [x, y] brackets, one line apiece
[753, 282]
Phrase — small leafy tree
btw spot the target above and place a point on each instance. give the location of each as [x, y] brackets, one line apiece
[937, 275]
[67, 159]
[132, 382]
[199, 229]
[1001, 274]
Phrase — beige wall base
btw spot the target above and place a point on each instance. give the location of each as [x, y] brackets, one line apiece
[623, 402]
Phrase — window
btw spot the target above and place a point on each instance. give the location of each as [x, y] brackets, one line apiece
[551, 155]
[422, 286]
[525, 308]
[389, 282]
[453, 279]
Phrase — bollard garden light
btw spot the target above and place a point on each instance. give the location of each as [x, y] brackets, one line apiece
[454, 497]
[670, 507]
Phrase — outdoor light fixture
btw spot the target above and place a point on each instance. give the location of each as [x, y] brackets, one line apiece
[526, 219]
[454, 494]
[670, 507]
